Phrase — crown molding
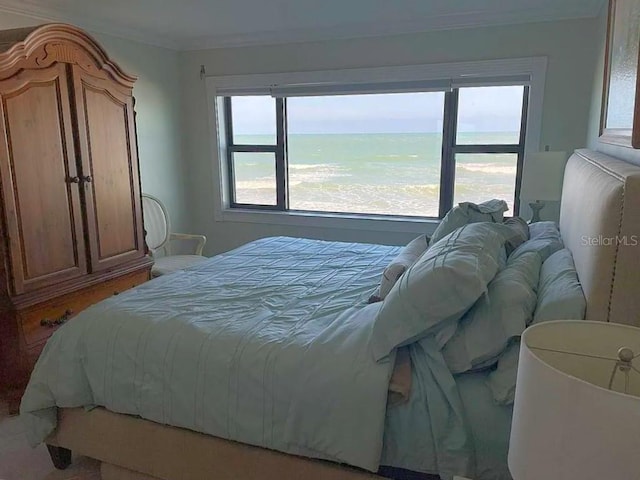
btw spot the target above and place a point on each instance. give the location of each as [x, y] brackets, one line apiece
[46, 14]
[479, 19]
[380, 29]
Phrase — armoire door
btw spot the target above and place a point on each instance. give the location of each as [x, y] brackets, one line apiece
[40, 184]
[109, 166]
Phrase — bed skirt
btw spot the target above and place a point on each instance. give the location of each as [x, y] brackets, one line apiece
[130, 446]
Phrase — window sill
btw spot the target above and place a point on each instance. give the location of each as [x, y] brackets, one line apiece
[330, 220]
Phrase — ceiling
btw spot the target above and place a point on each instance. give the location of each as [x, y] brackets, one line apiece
[195, 24]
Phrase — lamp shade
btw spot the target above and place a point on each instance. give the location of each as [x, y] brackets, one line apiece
[542, 175]
[567, 423]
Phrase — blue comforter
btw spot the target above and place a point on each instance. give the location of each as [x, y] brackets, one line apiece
[266, 345]
[269, 345]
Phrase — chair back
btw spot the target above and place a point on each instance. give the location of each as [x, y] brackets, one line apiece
[156, 222]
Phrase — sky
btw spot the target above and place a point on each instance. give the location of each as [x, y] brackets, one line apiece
[481, 109]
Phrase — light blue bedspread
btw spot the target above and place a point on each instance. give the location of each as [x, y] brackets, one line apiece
[450, 425]
[267, 345]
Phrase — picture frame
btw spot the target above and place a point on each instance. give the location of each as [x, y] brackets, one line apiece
[620, 116]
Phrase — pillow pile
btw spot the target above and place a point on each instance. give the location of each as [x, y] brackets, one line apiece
[515, 231]
[544, 239]
[560, 297]
[486, 330]
[407, 257]
[467, 212]
[437, 290]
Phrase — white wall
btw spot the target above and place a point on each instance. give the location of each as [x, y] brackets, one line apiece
[158, 100]
[175, 138]
[569, 46]
[628, 154]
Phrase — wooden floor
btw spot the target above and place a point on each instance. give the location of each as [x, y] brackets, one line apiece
[18, 461]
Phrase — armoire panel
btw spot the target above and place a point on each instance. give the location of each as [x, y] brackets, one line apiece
[43, 218]
[111, 172]
[109, 158]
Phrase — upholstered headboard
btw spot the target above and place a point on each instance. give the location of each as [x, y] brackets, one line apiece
[600, 224]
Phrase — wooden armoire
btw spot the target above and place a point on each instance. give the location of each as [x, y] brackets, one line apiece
[71, 229]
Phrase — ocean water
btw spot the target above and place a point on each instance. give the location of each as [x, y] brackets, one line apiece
[395, 174]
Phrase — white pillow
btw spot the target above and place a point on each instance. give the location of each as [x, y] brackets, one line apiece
[485, 330]
[407, 257]
[559, 297]
[439, 288]
[544, 239]
[467, 212]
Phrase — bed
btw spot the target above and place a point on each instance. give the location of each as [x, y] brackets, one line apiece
[600, 229]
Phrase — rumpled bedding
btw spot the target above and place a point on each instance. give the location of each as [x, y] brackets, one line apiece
[266, 345]
[400, 383]
[475, 446]
[270, 345]
[469, 426]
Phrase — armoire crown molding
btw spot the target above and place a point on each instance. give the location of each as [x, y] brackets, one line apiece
[62, 43]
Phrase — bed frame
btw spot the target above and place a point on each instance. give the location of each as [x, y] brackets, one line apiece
[600, 224]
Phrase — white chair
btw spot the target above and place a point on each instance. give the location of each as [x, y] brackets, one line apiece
[159, 237]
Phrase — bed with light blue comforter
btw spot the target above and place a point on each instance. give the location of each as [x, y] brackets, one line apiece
[270, 345]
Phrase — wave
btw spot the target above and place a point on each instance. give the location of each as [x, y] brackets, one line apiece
[491, 168]
[390, 156]
[311, 166]
[412, 200]
[259, 184]
[393, 155]
[363, 192]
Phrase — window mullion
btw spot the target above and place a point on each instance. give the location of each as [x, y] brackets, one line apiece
[447, 168]
[228, 127]
[489, 148]
[523, 136]
[254, 148]
[281, 158]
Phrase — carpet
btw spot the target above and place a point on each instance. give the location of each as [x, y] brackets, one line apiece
[18, 461]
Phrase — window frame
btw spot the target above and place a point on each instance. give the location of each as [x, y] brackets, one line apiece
[278, 151]
[450, 148]
[461, 73]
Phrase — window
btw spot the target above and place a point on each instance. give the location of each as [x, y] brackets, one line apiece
[402, 154]
[489, 143]
[253, 150]
[366, 154]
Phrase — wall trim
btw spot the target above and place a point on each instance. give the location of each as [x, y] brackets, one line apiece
[423, 24]
[47, 14]
[381, 29]
[536, 67]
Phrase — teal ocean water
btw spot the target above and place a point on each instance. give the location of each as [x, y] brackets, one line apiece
[396, 174]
